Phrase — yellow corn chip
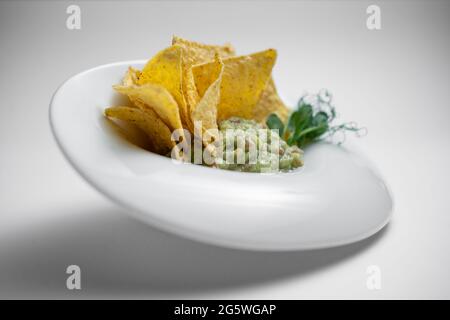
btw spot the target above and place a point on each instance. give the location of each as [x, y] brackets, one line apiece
[166, 69]
[158, 133]
[131, 77]
[157, 98]
[197, 53]
[190, 94]
[268, 103]
[243, 81]
[206, 110]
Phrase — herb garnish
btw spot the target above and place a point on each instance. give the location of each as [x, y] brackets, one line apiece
[311, 121]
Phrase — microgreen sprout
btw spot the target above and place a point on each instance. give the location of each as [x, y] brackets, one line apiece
[312, 120]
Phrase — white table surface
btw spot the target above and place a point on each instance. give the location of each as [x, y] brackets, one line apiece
[394, 81]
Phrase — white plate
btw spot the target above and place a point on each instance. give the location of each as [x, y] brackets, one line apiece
[336, 198]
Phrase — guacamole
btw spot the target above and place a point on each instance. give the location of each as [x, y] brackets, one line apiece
[254, 148]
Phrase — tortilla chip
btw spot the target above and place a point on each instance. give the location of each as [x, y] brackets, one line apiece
[268, 103]
[154, 98]
[131, 77]
[166, 69]
[243, 81]
[206, 110]
[158, 133]
[190, 94]
[197, 53]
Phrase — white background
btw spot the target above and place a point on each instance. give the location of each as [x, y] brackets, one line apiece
[394, 81]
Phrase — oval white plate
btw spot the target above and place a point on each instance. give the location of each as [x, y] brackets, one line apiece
[336, 198]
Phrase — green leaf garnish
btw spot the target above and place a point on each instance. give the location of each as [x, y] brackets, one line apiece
[274, 122]
[312, 121]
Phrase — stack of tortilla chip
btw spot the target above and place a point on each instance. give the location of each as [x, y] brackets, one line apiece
[190, 83]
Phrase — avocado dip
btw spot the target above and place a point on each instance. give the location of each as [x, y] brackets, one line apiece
[258, 149]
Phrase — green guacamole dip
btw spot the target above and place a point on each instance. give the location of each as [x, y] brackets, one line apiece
[257, 154]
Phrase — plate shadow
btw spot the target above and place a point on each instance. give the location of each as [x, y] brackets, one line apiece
[120, 256]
